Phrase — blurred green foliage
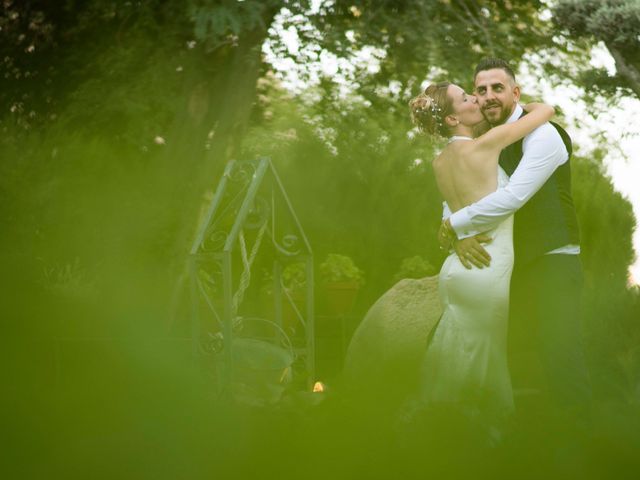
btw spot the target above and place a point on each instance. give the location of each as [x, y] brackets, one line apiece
[117, 120]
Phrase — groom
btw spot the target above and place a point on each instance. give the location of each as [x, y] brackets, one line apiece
[547, 278]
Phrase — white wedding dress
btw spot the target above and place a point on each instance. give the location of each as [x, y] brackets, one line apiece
[466, 359]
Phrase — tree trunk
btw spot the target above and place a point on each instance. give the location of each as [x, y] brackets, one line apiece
[626, 70]
[218, 101]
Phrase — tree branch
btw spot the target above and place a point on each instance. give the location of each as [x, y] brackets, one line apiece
[474, 20]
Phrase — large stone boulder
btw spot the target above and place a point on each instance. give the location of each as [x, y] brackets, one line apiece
[385, 353]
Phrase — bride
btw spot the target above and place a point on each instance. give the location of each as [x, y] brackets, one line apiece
[466, 360]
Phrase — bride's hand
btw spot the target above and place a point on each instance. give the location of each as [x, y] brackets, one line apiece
[446, 235]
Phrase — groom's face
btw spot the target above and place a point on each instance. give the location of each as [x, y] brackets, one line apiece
[497, 94]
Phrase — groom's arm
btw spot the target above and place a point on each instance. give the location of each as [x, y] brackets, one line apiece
[444, 238]
[543, 152]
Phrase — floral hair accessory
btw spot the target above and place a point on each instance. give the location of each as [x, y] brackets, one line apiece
[431, 108]
[436, 111]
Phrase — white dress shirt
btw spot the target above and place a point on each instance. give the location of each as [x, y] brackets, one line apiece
[542, 152]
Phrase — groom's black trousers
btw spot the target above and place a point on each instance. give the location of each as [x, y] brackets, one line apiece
[546, 347]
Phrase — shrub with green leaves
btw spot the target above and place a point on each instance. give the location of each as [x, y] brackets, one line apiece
[415, 267]
[340, 268]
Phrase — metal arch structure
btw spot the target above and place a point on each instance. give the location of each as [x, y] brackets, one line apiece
[250, 215]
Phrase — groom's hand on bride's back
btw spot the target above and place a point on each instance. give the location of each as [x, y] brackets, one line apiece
[471, 252]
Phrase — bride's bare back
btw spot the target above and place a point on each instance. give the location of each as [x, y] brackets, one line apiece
[465, 173]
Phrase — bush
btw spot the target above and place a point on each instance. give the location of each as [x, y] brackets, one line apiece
[415, 267]
[340, 268]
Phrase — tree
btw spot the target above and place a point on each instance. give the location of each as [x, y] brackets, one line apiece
[186, 72]
[122, 73]
[119, 74]
[616, 23]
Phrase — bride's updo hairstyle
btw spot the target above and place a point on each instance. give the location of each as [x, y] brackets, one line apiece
[429, 109]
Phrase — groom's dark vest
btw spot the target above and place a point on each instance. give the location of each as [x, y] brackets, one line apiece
[548, 220]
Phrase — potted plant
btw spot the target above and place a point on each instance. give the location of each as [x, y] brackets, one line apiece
[341, 279]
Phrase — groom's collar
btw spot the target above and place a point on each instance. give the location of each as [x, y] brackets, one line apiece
[517, 113]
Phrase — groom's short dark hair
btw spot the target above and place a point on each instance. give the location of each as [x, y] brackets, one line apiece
[490, 63]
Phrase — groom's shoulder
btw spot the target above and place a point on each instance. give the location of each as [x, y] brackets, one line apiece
[546, 132]
[546, 140]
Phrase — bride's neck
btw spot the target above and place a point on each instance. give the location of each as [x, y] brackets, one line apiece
[462, 131]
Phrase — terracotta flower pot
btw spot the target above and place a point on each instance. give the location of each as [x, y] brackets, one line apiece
[340, 297]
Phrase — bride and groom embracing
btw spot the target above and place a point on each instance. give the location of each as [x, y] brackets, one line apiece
[512, 283]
